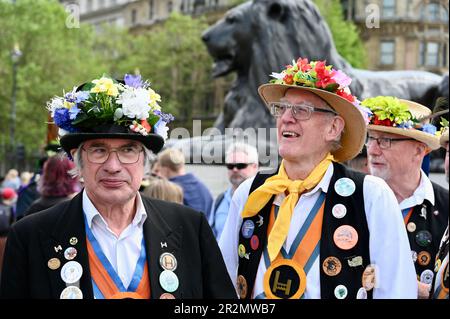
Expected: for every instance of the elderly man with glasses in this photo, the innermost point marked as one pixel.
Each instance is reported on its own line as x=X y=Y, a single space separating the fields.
x=109 y=242
x=242 y=162
x=399 y=137
x=316 y=229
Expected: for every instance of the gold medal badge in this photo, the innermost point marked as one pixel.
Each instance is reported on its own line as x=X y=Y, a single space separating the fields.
x=284 y=279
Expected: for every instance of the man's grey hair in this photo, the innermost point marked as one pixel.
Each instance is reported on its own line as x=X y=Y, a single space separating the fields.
x=149 y=158
x=245 y=148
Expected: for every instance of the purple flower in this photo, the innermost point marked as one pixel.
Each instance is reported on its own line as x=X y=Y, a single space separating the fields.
x=70 y=97
x=134 y=81
x=81 y=96
x=341 y=78
x=62 y=120
x=73 y=112
x=166 y=117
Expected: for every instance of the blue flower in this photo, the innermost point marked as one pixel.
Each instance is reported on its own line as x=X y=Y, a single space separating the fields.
x=73 y=112
x=166 y=117
x=62 y=120
x=81 y=96
x=405 y=125
x=134 y=81
x=429 y=128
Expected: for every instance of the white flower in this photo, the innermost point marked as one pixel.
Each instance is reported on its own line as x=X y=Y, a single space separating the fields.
x=278 y=76
x=135 y=103
x=161 y=129
x=55 y=103
x=62 y=132
x=118 y=113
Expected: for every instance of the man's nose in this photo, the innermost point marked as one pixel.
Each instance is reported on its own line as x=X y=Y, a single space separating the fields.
x=112 y=162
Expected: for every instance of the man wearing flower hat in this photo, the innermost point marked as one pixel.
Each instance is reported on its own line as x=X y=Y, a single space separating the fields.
x=109 y=242
x=398 y=140
x=316 y=229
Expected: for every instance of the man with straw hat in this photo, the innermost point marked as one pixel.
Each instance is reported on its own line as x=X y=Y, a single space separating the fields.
x=398 y=139
x=316 y=229
x=109 y=242
x=441 y=281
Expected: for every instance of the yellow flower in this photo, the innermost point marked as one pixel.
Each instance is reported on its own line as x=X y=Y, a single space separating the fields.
x=105 y=85
x=68 y=105
x=154 y=99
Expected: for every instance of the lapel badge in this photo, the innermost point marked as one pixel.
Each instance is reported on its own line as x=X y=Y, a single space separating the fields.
x=423 y=212
x=163 y=244
x=331 y=266
x=168 y=261
x=242 y=286
x=168 y=281
x=57 y=248
x=340 y=292
x=70 y=253
x=73 y=241
x=71 y=292
x=345 y=187
x=260 y=222
x=361 y=294
x=355 y=261
x=436 y=212
x=345 y=237
x=71 y=272
x=54 y=263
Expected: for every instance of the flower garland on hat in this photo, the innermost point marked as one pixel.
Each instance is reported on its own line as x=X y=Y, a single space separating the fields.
x=106 y=101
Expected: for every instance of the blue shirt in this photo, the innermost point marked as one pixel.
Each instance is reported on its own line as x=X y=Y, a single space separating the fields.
x=221 y=214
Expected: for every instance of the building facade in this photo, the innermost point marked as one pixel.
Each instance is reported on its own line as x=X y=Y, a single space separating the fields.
x=403 y=34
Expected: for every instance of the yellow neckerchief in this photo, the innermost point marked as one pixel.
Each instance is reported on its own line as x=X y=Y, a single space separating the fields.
x=278 y=184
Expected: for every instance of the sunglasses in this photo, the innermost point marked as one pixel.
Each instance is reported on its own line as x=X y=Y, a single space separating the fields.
x=237 y=165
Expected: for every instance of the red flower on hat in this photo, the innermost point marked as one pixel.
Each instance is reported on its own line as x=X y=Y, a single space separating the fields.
x=288 y=79
x=346 y=95
x=146 y=125
x=385 y=122
x=324 y=76
x=303 y=65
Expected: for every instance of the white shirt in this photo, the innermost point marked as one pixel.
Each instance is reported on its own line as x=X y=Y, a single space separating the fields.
x=422 y=192
x=388 y=242
x=122 y=252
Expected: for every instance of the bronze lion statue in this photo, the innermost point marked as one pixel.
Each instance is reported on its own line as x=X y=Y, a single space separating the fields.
x=259 y=37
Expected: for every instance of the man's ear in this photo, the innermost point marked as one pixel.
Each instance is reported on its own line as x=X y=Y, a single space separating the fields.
x=336 y=127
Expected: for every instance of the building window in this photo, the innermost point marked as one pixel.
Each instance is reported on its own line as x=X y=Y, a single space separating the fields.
x=170 y=7
x=133 y=16
x=387 y=52
x=429 y=54
x=151 y=9
x=434 y=12
x=388 y=8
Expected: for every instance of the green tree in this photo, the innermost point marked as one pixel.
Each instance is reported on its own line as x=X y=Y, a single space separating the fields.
x=345 y=33
x=54 y=57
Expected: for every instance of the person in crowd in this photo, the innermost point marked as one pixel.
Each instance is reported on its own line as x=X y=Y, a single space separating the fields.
x=109 y=242
x=161 y=188
x=398 y=139
x=11 y=180
x=170 y=165
x=241 y=160
x=359 y=163
x=316 y=229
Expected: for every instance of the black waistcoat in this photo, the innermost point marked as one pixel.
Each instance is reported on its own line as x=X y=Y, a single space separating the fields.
x=350 y=275
x=430 y=224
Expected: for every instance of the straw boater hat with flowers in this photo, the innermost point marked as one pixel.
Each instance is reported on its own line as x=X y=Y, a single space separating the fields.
x=330 y=85
x=402 y=117
x=107 y=108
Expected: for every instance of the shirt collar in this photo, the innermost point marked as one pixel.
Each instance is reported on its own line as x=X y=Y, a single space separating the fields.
x=91 y=212
x=422 y=192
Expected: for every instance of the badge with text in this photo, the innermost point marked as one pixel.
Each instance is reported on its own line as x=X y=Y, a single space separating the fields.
x=247 y=228
x=168 y=281
x=344 y=187
x=71 y=292
x=331 y=266
x=345 y=237
x=339 y=211
x=284 y=279
x=71 y=272
x=168 y=261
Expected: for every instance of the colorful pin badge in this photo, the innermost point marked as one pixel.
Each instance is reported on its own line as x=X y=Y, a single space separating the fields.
x=424 y=258
x=423 y=238
x=344 y=187
x=241 y=251
x=413 y=256
x=54 y=263
x=168 y=281
x=70 y=253
x=340 y=292
x=242 y=287
x=331 y=266
x=355 y=261
x=345 y=237
x=254 y=242
x=71 y=292
x=247 y=228
x=284 y=279
x=73 y=241
x=166 y=295
x=361 y=294
x=339 y=211
x=71 y=272
x=427 y=276
x=369 y=277
x=411 y=227
x=168 y=261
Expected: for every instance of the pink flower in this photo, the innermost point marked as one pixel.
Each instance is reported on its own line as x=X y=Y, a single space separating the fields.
x=303 y=65
x=341 y=78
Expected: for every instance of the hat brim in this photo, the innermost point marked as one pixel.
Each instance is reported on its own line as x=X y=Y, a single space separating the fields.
x=430 y=140
x=153 y=142
x=354 y=133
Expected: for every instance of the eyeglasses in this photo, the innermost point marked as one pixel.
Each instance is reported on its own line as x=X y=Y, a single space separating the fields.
x=385 y=142
x=128 y=154
x=300 y=112
x=237 y=165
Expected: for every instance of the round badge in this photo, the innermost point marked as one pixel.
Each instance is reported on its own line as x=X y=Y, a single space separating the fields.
x=368 y=278
x=241 y=251
x=411 y=227
x=254 y=242
x=71 y=292
x=339 y=211
x=361 y=294
x=168 y=261
x=284 y=279
x=242 y=286
x=423 y=238
x=414 y=256
x=331 y=266
x=168 y=281
x=73 y=241
x=423 y=258
x=54 y=263
x=340 y=292
x=437 y=265
x=71 y=272
x=427 y=276
x=345 y=237
x=344 y=187
x=166 y=295
x=247 y=228
x=70 y=253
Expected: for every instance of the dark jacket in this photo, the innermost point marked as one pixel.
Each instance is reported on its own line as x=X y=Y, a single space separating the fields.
x=43 y=203
x=169 y=227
